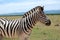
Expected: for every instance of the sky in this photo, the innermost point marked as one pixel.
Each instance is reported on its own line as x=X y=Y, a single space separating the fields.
x=13 y=6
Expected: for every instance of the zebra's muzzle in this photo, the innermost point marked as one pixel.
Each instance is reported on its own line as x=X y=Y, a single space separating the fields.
x=48 y=23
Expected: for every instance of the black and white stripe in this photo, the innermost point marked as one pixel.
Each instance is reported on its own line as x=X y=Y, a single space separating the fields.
x=12 y=28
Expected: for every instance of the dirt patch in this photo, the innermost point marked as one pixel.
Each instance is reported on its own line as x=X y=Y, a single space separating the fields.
x=57 y=25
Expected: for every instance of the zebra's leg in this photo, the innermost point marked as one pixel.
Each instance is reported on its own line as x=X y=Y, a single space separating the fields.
x=26 y=38
x=1 y=37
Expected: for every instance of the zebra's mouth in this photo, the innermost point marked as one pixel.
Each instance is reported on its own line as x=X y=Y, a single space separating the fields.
x=48 y=23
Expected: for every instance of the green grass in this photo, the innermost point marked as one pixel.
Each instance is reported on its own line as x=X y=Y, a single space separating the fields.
x=42 y=32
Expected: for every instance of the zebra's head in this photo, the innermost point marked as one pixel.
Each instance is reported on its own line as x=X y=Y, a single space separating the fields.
x=42 y=17
x=38 y=14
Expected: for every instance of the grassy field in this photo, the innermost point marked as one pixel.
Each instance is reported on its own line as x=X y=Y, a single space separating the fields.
x=42 y=32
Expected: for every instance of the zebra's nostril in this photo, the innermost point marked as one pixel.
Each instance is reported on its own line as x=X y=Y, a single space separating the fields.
x=48 y=23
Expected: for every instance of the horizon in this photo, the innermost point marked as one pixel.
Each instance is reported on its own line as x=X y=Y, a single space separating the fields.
x=22 y=13
x=13 y=6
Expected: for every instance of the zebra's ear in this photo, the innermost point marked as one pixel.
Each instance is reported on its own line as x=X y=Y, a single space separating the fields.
x=42 y=8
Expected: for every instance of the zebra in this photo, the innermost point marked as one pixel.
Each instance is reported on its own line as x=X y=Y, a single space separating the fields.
x=22 y=27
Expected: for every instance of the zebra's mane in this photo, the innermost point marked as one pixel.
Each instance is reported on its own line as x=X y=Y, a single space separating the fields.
x=31 y=11
x=28 y=13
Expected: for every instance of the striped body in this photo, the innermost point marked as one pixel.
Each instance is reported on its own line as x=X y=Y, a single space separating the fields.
x=22 y=27
x=8 y=28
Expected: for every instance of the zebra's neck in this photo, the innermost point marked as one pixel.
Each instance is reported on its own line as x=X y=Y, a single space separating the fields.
x=29 y=21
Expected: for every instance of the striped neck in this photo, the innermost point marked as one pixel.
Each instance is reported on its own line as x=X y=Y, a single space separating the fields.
x=29 y=21
x=29 y=12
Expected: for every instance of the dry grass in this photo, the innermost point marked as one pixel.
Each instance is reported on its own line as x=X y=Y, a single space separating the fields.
x=42 y=32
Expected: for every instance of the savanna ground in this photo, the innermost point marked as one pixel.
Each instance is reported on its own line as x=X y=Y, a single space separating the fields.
x=42 y=32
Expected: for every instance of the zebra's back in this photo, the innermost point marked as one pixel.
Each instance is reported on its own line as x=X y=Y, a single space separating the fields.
x=8 y=27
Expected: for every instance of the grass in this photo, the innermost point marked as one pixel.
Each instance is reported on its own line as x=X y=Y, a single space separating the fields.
x=42 y=32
